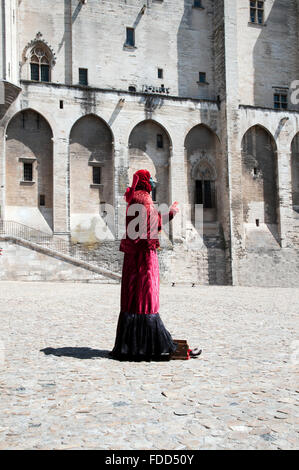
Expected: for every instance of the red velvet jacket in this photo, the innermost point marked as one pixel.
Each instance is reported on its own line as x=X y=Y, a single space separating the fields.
x=150 y=224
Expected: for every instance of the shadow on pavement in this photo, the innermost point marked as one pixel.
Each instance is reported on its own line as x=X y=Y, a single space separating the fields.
x=78 y=353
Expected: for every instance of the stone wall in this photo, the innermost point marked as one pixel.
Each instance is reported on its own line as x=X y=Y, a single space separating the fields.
x=93 y=36
x=206 y=127
x=18 y=263
x=267 y=54
x=266 y=267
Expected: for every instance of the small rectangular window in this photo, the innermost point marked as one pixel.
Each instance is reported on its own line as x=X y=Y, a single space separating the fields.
x=280 y=101
x=28 y=173
x=132 y=89
x=83 y=77
x=130 y=38
x=197 y=3
x=257 y=11
x=96 y=175
x=202 y=77
x=61 y=104
x=42 y=200
x=160 y=73
x=160 y=141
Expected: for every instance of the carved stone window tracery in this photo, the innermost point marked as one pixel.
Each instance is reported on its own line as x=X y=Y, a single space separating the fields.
x=39 y=64
x=38 y=60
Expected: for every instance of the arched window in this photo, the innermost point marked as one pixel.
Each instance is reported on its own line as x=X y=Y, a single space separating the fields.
x=205 y=187
x=40 y=64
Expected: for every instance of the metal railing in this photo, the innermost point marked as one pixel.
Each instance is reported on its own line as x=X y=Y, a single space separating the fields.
x=52 y=242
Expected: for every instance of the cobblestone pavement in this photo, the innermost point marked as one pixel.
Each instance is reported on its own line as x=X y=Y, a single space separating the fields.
x=240 y=394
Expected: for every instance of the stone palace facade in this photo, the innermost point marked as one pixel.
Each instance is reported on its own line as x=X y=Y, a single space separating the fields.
x=202 y=93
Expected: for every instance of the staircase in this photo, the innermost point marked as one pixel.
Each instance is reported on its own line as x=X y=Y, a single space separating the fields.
x=51 y=246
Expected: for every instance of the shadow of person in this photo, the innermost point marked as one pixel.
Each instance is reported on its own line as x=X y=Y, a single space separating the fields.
x=78 y=353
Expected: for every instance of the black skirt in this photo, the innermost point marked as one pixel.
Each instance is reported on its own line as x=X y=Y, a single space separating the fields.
x=142 y=337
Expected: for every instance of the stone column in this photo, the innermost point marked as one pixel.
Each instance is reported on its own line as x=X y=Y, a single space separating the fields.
x=61 y=186
x=227 y=86
x=284 y=184
x=121 y=181
x=2 y=172
x=177 y=186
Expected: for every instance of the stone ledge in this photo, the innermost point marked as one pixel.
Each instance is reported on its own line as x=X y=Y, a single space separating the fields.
x=119 y=92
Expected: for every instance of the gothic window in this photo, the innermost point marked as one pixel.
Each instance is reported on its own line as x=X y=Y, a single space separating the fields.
x=40 y=64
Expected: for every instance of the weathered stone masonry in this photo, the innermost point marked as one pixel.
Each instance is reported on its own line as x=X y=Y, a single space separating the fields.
x=208 y=130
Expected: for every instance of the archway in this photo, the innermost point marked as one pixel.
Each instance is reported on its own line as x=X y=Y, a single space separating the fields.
x=149 y=148
x=91 y=177
x=259 y=177
x=202 y=167
x=29 y=170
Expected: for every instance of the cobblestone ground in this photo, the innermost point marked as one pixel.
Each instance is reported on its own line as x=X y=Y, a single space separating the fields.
x=240 y=394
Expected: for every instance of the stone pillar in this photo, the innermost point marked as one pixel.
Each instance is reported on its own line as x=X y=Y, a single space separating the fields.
x=2 y=172
x=226 y=67
x=121 y=181
x=2 y=42
x=68 y=42
x=61 y=186
x=177 y=186
x=284 y=183
x=9 y=60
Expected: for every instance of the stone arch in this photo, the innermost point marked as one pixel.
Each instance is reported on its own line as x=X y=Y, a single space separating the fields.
x=202 y=167
x=91 y=146
x=149 y=148
x=259 y=176
x=295 y=172
x=29 y=170
x=91 y=175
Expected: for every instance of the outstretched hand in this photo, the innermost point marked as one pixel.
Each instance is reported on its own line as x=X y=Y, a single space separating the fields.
x=174 y=207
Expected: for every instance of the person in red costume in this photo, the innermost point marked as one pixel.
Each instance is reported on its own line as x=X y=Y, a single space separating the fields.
x=141 y=334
